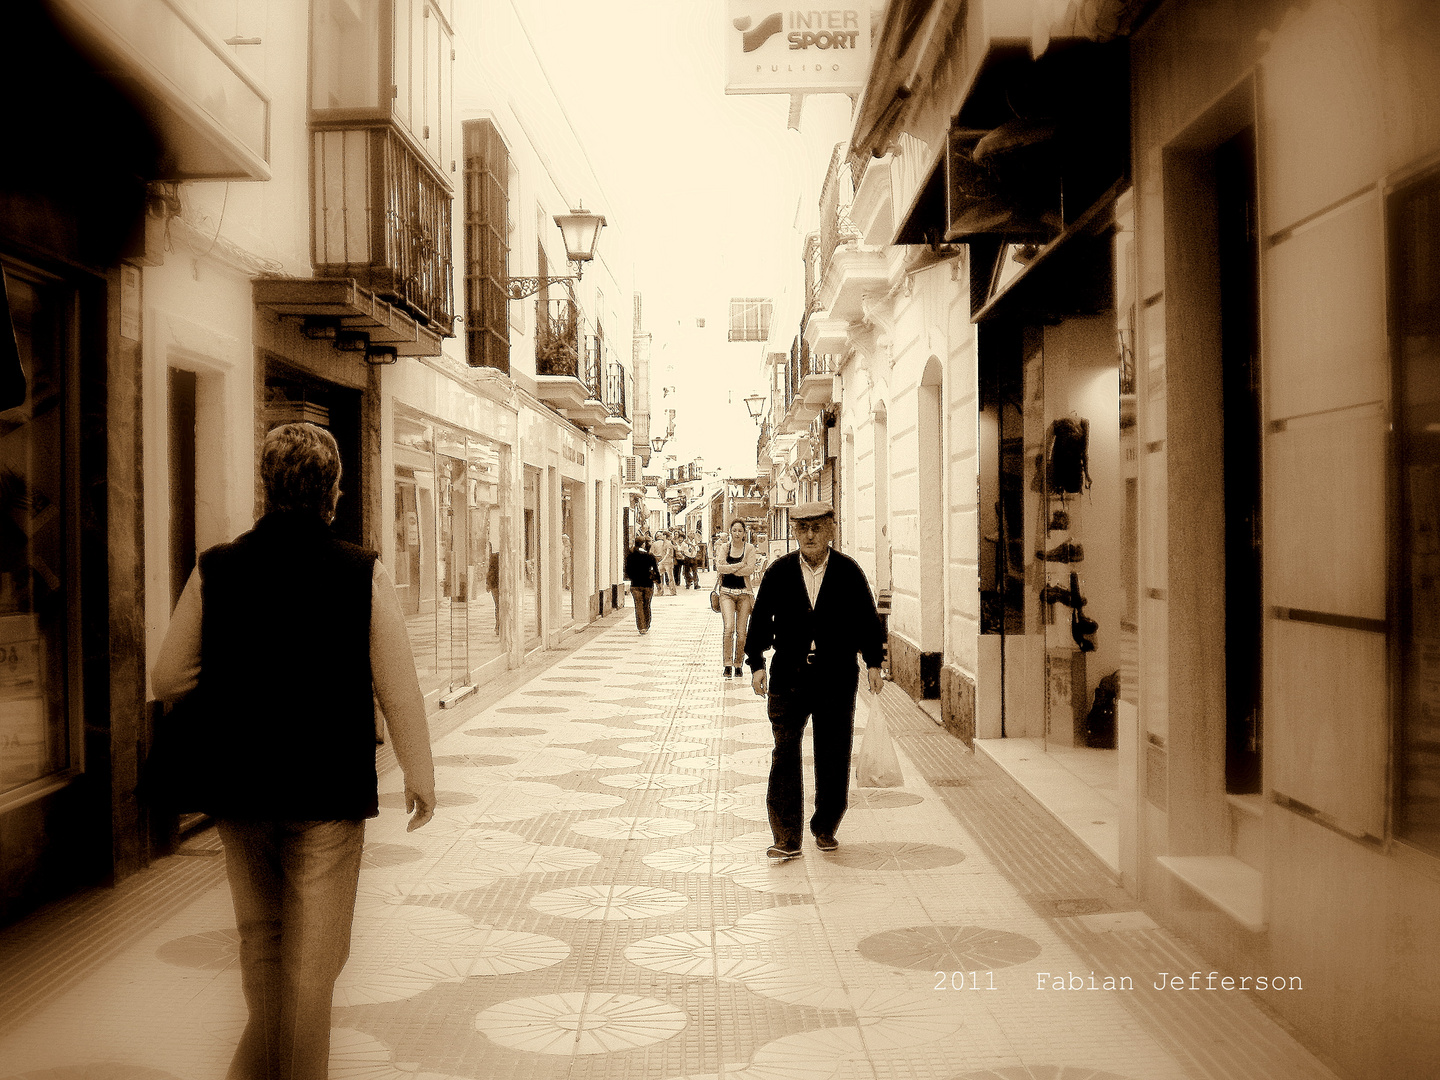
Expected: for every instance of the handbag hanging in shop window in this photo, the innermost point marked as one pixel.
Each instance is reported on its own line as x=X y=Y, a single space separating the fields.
x=1068 y=460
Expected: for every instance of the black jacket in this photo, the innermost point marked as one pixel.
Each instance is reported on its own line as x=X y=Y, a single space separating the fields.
x=641 y=569
x=843 y=623
x=285 y=676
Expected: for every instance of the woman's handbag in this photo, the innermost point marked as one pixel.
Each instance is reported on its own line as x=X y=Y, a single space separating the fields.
x=877 y=764
x=714 y=600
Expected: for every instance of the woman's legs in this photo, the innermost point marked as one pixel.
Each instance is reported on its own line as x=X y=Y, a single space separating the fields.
x=727 y=613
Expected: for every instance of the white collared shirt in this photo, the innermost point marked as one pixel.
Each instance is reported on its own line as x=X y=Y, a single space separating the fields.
x=814 y=576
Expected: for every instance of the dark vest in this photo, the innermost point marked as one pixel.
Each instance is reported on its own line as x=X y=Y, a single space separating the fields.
x=285 y=673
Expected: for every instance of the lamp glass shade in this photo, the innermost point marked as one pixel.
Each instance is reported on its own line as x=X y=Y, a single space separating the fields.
x=754 y=403
x=657 y=444
x=581 y=231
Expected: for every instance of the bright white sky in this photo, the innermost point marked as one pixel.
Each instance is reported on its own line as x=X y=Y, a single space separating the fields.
x=706 y=188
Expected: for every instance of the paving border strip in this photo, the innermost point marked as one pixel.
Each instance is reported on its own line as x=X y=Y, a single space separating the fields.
x=1220 y=1036
x=55 y=948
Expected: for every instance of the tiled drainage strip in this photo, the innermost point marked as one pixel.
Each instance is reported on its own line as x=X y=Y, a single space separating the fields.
x=1212 y=1036
x=60 y=946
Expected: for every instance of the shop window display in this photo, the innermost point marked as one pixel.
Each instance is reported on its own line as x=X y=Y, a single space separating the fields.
x=450 y=535
x=35 y=731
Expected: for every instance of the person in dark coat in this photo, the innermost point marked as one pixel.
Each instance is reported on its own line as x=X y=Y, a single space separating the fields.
x=284 y=639
x=816 y=609
x=643 y=572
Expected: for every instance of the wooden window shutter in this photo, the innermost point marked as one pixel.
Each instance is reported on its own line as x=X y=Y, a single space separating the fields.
x=487 y=252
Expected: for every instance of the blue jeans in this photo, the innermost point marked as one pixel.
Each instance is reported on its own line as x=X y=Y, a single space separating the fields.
x=642 y=606
x=293 y=884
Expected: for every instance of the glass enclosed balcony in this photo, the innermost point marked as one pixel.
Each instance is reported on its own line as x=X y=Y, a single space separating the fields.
x=382 y=216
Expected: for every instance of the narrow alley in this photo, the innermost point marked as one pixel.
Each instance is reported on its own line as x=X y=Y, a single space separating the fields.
x=593 y=899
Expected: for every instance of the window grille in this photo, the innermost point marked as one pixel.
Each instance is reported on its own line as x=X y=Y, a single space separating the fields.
x=487 y=248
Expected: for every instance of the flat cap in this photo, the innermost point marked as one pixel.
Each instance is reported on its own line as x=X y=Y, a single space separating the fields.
x=810 y=511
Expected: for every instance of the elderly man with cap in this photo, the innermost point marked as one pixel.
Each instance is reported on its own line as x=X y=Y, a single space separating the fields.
x=816 y=609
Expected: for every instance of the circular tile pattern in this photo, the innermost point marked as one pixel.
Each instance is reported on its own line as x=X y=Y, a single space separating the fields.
x=632 y=828
x=660 y=746
x=882 y=799
x=214 y=950
x=581 y=1022
x=395 y=800
x=896 y=855
x=1040 y=1072
x=376 y=855
x=650 y=782
x=533 y=710
x=504 y=732
x=948 y=948
x=489 y=952
x=609 y=902
x=476 y=761
x=98 y=1070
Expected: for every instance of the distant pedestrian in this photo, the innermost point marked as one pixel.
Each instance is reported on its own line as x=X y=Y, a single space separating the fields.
x=734 y=563
x=664 y=554
x=690 y=559
x=816 y=609
x=642 y=572
x=282 y=640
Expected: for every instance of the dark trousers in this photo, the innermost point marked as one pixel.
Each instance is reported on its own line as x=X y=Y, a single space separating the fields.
x=831 y=708
x=692 y=573
x=642 y=606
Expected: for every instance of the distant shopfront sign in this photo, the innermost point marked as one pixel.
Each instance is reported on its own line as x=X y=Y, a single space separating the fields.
x=772 y=49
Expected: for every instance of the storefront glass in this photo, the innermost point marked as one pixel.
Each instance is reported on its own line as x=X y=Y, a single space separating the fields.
x=532 y=568
x=450 y=535
x=570 y=599
x=35 y=737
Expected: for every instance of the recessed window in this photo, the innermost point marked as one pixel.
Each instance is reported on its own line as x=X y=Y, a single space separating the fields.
x=1415 y=318
x=750 y=319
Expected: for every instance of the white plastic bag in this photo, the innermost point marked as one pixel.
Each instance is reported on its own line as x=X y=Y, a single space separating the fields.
x=877 y=764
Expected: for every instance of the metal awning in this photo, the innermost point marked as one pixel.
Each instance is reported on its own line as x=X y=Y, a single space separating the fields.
x=1034 y=144
x=349 y=307
x=212 y=117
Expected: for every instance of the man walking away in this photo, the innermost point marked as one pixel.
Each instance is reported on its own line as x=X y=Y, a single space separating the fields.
x=284 y=638
x=642 y=572
x=815 y=607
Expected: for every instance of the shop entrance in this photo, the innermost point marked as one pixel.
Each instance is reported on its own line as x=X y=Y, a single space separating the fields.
x=1056 y=537
x=292 y=396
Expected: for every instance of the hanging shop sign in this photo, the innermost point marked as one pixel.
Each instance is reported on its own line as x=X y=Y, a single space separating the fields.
x=770 y=49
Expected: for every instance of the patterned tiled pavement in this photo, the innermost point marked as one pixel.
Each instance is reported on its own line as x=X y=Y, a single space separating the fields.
x=593 y=901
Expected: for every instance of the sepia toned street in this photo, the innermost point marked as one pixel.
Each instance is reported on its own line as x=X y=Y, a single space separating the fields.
x=593 y=900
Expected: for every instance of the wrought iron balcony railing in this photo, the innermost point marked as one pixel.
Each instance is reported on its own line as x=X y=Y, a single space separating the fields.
x=592 y=375
x=615 y=391
x=557 y=339
x=381 y=215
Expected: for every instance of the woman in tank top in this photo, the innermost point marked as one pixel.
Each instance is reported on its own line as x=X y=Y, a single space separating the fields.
x=734 y=564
